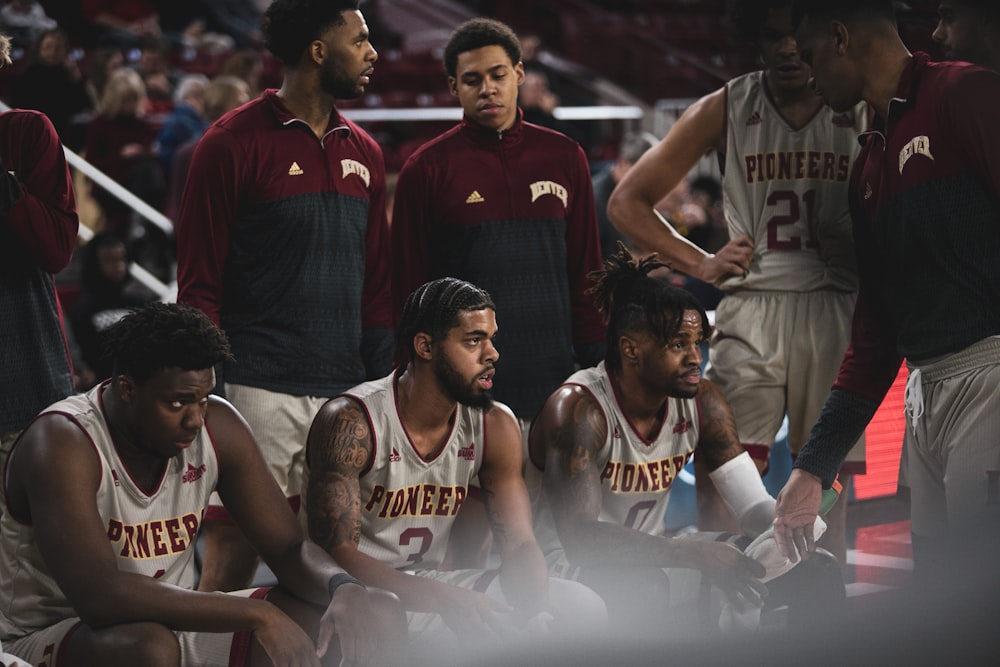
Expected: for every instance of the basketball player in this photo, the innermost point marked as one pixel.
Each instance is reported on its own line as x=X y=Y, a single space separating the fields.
x=925 y=194
x=106 y=494
x=607 y=446
x=788 y=270
x=969 y=30
x=390 y=464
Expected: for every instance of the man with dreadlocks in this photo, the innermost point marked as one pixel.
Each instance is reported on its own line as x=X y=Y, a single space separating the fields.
x=106 y=493
x=390 y=463
x=604 y=452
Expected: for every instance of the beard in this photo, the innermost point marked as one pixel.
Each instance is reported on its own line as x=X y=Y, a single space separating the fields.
x=336 y=83
x=458 y=388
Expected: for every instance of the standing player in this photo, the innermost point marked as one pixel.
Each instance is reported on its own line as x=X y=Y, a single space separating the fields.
x=283 y=241
x=38 y=228
x=925 y=197
x=969 y=30
x=105 y=495
x=788 y=271
x=610 y=442
x=390 y=464
x=508 y=206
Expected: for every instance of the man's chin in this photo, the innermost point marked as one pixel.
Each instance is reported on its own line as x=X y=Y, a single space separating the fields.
x=482 y=400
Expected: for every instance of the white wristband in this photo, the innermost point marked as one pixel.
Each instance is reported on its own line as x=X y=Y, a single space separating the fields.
x=742 y=489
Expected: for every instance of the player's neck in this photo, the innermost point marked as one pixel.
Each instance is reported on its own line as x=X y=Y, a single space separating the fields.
x=142 y=466
x=797 y=104
x=424 y=409
x=302 y=95
x=644 y=409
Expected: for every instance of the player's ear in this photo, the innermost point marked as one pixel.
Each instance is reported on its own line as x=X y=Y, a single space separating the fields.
x=628 y=350
x=519 y=72
x=422 y=345
x=125 y=386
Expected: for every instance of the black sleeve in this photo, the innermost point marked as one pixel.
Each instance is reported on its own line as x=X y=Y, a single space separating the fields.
x=840 y=424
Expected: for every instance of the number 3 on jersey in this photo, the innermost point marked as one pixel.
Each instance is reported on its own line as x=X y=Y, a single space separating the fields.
x=788 y=215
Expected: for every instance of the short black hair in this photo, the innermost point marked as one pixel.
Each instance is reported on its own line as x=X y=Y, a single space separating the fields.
x=477 y=33
x=164 y=335
x=632 y=301
x=433 y=309
x=291 y=25
x=746 y=18
x=843 y=9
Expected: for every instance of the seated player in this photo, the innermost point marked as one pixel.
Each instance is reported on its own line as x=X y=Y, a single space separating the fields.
x=390 y=464
x=106 y=492
x=606 y=448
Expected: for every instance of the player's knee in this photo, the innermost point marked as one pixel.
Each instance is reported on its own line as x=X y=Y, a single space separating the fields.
x=147 y=644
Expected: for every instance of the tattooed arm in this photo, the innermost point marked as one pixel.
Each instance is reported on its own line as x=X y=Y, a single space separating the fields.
x=339 y=448
x=719 y=441
x=523 y=573
x=572 y=428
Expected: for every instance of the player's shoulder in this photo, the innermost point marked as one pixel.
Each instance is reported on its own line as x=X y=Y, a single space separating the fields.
x=361 y=138
x=25 y=118
x=434 y=150
x=539 y=138
x=500 y=414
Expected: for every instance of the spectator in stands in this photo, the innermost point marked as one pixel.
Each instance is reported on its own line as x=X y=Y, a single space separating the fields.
x=223 y=94
x=24 y=21
x=790 y=260
x=38 y=227
x=104 y=61
x=120 y=143
x=508 y=206
x=52 y=83
x=969 y=30
x=107 y=293
x=158 y=75
x=122 y=23
x=186 y=121
x=237 y=18
x=282 y=239
x=631 y=149
x=245 y=64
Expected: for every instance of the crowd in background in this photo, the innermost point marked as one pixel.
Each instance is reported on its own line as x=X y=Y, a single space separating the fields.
x=132 y=90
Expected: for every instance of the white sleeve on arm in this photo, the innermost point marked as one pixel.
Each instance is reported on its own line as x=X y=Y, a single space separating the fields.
x=742 y=489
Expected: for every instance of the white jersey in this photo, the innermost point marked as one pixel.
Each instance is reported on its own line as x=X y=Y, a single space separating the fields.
x=636 y=473
x=151 y=533
x=786 y=188
x=408 y=504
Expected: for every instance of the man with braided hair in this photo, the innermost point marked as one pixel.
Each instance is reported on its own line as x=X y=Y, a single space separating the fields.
x=389 y=465
x=106 y=493
x=605 y=450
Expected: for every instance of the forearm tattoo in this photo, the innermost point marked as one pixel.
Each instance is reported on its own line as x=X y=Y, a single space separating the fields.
x=333 y=495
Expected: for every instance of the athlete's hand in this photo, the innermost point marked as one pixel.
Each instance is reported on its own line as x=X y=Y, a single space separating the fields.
x=725 y=566
x=472 y=614
x=733 y=259
x=350 y=616
x=795 y=514
x=284 y=642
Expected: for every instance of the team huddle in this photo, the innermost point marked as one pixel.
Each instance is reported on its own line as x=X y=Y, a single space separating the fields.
x=463 y=429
